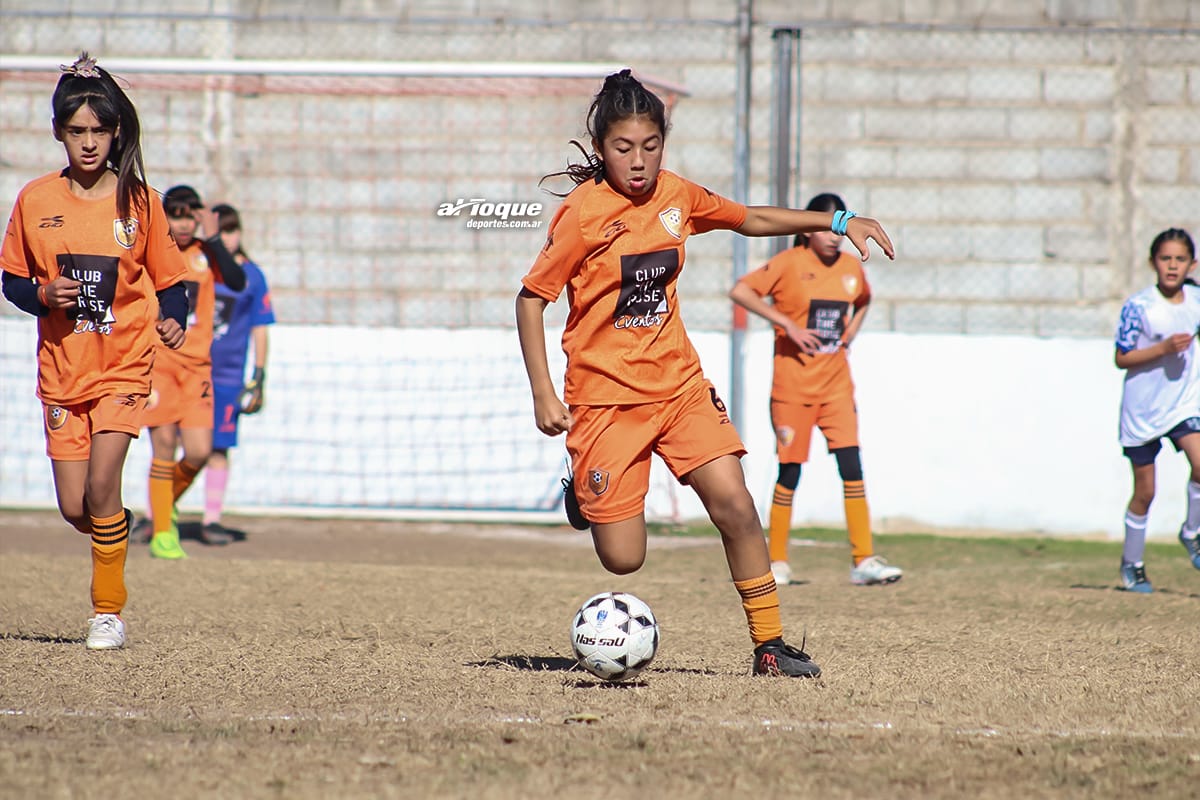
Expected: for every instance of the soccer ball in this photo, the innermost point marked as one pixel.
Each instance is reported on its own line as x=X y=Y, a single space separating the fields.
x=614 y=636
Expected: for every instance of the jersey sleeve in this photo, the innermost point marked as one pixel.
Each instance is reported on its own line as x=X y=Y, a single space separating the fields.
x=763 y=280
x=1130 y=328
x=164 y=262
x=561 y=256
x=15 y=256
x=711 y=211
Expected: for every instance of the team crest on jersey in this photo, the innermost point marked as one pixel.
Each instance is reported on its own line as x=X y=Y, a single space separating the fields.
x=850 y=282
x=56 y=417
x=785 y=435
x=125 y=231
x=672 y=220
x=597 y=481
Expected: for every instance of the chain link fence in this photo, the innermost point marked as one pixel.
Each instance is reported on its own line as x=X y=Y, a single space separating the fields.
x=1022 y=172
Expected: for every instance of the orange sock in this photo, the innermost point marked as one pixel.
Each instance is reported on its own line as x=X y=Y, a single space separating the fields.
x=162 y=498
x=781 y=522
x=182 y=477
x=858 y=520
x=760 y=600
x=110 y=541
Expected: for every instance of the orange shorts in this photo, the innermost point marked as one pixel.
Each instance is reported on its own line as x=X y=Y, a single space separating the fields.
x=179 y=394
x=794 y=423
x=610 y=447
x=69 y=429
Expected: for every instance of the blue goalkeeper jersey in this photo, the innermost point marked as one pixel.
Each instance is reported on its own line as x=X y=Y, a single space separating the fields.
x=234 y=315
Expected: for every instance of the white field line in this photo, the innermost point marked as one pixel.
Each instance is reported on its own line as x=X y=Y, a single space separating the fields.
x=782 y=725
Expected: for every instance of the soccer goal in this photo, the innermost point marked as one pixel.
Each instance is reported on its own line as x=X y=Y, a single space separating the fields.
x=393 y=207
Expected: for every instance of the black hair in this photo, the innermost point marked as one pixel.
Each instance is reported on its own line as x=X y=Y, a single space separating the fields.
x=1173 y=235
x=85 y=83
x=826 y=201
x=622 y=97
x=228 y=220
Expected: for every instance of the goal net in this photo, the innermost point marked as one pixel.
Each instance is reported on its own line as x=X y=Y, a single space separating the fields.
x=393 y=208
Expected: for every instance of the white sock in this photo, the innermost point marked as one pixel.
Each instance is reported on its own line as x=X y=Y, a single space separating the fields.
x=1135 y=537
x=1192 y=523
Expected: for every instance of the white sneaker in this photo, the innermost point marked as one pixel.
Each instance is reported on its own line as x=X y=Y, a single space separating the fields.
x=105 y=632
x=782 y=573
x=873 y=570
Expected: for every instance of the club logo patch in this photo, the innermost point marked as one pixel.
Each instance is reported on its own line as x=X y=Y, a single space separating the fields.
x=125 y=231
x=850 y=282
x=785 y=435
x=672 y=220
x=56 y=417
x=597 y=481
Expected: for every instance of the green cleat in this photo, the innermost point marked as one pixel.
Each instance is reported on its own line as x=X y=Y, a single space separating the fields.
x=165 y=544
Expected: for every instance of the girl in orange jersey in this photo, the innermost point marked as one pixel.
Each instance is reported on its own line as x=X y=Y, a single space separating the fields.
x=85 y=252
x=181 y=407
x=633 y=383
x=819 y=298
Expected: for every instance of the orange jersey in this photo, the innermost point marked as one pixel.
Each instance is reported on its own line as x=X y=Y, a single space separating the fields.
x=199 y=277
x=105 y=345
x=819 y=297
x=619 y=258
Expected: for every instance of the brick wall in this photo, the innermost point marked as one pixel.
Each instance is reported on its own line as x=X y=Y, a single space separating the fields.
x=1023 y=157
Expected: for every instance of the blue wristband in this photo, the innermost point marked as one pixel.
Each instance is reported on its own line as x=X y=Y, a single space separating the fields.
x=840 y=219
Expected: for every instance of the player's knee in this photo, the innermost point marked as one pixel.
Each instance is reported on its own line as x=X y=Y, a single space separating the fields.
x=622 y=563
x=198 y=457
x=101 y=488
x=789 y=476
x=849 y=463
x=736 y=516
x=75 y=516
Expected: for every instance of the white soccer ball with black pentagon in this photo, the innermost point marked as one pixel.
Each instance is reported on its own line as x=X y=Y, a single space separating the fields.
x=614 y=635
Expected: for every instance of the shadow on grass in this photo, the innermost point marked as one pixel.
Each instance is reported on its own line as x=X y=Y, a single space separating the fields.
x=41 y=638
x=1109 y=588
x=560 y=664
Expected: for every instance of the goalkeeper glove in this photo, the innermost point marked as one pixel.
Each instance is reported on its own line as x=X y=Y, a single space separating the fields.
x=250 y=401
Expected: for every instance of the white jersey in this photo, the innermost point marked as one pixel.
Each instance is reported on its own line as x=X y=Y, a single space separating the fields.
x=1163 y=393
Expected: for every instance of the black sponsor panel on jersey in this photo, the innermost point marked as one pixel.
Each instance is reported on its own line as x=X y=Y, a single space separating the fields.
x=644 y=279
x=828 y=319
x=222 y=314
x=97 y=276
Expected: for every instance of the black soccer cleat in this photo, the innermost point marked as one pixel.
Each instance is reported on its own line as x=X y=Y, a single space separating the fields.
x=571 y=505
x=141 y=532
x=214 y=533
x=777 y=658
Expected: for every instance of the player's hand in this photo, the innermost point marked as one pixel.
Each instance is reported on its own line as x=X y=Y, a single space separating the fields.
x=552 y=417
x=860 y=229
x=250 y=401
x=61 y=293
x=171 y=334
x=805 y=338
x=206 y=221
x=1177 y=343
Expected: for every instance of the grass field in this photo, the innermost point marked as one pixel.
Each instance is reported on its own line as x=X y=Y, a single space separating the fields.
x=331 y=658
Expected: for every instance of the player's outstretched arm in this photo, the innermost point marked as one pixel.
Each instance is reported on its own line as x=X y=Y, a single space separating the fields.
x=777 y=221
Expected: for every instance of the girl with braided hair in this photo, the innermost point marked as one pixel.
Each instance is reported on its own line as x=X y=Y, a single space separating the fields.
x=634 y=384
x=86 y=252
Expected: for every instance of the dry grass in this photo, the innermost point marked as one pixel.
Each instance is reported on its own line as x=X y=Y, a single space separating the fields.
x=367 y=659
